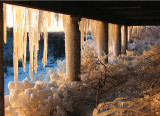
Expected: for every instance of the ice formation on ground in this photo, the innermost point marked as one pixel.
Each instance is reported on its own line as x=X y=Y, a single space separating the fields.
x=47 y=95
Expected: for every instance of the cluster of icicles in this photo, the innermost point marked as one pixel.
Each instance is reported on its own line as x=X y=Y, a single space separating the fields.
x=35 y=23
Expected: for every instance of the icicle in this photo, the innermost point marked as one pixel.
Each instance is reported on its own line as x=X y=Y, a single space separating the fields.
x=86 y=28
x=64 y=21
x=34 y=37
x=40 y=21
x=4 y=23
x=82 y=33
x=93 y=29
x=18 y=40
x=45 y=24
x=36 y=41
x=49 y=18
x=31 y=42
x=15 y=58
x=35 y=22
x=57 y=17
x=89 y=25
x=25 y=40
x=53 y=17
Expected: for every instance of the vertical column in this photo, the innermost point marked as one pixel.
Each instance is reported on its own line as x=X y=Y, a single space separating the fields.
x=102 y=40
x=72 y=48
x=1 y=62
x=129 y=33
x=124 y=39
x=116 y=40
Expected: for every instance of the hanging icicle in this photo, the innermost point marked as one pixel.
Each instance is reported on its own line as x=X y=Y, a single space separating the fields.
x=34 y=22
x=34 y=37
x=18 y=40
x=40 y=21
x=82 y=33
x=53 y=17
x=31 y=44
x=36 y=40
x=45 y=36
x=49 y=14
x=86 y=28
x=5 y=23
x=25 y=39
x=64 y=19
x=15 y=58
x=57 y=15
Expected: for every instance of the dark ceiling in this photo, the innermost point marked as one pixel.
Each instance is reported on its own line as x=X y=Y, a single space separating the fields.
x=119 y=12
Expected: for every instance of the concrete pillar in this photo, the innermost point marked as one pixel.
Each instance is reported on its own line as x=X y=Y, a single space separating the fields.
x=116 y=40
x=1 y=63
x=72 y=48
x=124 y=39
x=129 y=33
x=102 y=40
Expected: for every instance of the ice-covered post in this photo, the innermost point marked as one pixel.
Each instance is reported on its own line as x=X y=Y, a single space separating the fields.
x=72 y=48
x=124 y=39
x=1 y=62
x=116 y=40
x=102 y=42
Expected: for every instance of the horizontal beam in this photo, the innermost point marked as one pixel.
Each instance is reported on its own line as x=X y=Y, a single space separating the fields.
x=73 y=8
x=144 y=22
x=116 y=12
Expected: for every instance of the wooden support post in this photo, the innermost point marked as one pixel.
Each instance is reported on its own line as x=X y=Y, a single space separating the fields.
x=117 y=40
x=124 y=39
x=1 y=62
x=72 y=48
x=102 y=40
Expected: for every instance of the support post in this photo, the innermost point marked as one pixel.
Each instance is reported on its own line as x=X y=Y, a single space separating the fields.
x=124 y=39
x=116 y=40
x=129 y=33
x=102 y=42
x=72 y=48
x=1 y=62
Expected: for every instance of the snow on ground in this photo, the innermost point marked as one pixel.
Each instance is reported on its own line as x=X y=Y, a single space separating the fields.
x=22 y=75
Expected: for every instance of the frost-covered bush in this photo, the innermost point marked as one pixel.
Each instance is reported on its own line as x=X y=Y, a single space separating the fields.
x=62 y=65
x=37 y=99
x=47 y=95
x=142 y=32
